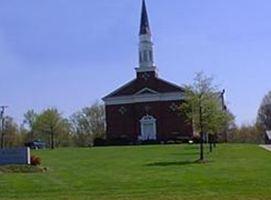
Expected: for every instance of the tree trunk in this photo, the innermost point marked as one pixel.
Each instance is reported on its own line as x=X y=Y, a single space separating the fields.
x=225 y=136
x=215 y=140
x=31 y=135
x=52 y=139
x=201 y=147
x=210 y=147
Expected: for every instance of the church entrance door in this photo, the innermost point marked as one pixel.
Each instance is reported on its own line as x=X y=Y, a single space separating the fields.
x=148 y=128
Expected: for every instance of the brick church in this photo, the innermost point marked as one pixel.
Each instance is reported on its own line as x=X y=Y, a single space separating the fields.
x=147 y=107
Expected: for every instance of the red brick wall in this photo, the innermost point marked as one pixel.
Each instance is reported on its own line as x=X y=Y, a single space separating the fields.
x=170 y=124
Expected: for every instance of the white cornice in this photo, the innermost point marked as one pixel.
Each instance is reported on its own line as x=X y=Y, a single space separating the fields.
x=119 y=89
x=141 y=98
x=146 y=69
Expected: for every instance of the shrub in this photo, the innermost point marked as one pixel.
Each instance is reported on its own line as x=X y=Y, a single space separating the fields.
x=99 y=142
x=22 y=169
x=35 y=160
x=146 y=142
x=119 y=141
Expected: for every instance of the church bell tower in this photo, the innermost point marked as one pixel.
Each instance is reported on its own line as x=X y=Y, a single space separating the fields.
x=146 y=57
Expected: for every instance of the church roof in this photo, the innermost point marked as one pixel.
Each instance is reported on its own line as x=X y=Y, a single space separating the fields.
x=136 y=86
x=144 y=24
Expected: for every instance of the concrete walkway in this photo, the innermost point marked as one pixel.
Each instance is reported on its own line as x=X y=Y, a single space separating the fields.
x=266 y=147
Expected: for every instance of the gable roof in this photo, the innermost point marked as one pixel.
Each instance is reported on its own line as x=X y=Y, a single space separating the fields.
x=136 y=86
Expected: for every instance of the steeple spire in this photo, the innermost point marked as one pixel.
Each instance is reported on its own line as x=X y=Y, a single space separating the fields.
x=146 y=63
x=144 y=24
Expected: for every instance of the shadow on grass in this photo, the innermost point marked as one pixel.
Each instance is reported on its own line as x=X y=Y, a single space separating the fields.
x=186 y=153
x=174 y=163
x=177 y=163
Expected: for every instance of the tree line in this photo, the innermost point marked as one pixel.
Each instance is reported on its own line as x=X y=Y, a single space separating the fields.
x=204 y=108
x=50 y=126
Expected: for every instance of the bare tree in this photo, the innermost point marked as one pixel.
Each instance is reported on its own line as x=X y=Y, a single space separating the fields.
x=12 y=135
x=264 y=112
x=2 y=118
x=30 y=118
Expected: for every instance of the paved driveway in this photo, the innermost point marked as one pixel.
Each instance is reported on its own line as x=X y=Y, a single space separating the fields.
x=267 y=147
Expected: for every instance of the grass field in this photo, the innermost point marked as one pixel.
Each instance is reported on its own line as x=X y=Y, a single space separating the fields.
x=240 y=172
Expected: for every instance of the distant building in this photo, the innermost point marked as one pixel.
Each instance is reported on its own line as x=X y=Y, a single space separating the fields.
x=146 y=108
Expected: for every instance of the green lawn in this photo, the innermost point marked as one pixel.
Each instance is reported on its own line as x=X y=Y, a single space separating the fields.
x=241 y=172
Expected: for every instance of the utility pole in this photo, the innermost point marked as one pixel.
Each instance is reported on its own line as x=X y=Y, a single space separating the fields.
x=2 y=118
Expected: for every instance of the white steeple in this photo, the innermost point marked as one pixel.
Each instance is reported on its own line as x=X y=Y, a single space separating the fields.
x=146 y=60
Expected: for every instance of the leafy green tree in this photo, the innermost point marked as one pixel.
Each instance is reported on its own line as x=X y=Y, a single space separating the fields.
x=203 y=108
x=52 y=125
x=88 y=124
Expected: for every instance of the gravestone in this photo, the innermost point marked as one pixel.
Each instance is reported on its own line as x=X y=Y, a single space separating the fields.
x=17 y=156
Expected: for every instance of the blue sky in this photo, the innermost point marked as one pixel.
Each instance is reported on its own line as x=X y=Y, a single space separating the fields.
x=68 y=54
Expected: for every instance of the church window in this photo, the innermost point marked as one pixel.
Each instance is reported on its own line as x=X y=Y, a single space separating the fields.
x=145 y=76
x=174 y=107
x=122 y=110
